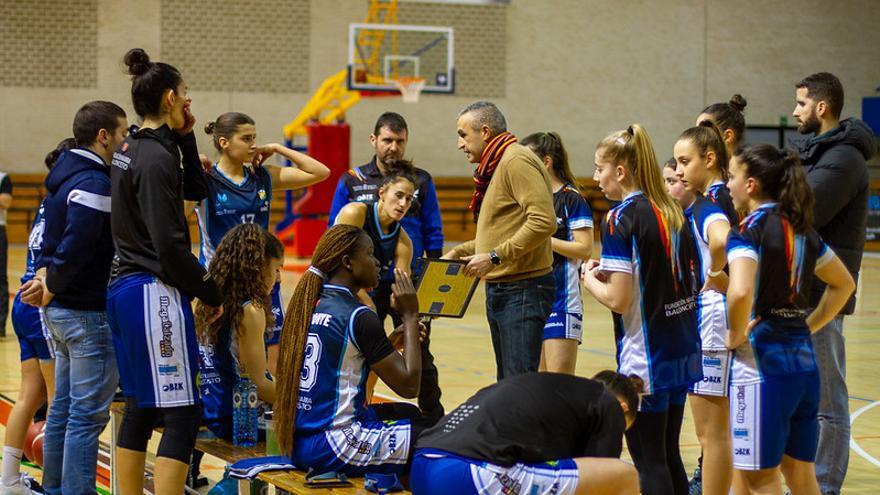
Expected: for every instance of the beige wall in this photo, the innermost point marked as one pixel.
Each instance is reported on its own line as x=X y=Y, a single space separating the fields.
x=583 y=68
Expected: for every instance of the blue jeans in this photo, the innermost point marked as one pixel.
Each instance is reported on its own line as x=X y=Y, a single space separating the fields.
x=517 y=312
x=832 y=455
x=85 y=380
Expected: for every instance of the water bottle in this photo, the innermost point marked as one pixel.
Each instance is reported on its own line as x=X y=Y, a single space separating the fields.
x=244 y=412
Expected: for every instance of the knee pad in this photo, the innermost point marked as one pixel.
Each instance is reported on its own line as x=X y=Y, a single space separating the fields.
x=137 y=426
x=181 y=428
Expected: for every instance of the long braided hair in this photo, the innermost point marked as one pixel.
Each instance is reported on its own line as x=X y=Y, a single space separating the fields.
x=336 y=242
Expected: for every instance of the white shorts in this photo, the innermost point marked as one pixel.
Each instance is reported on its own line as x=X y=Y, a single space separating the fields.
x=716 y=374
x=712 y=320
x=540 y=480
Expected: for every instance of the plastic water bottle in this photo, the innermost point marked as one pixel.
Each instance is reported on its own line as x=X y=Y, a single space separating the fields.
x=244 y=412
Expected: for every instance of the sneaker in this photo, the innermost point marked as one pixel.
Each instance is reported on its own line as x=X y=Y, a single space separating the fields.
x=695 y=486
x=25 y=486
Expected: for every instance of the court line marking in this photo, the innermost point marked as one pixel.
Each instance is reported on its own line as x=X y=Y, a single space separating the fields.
x=852 y=442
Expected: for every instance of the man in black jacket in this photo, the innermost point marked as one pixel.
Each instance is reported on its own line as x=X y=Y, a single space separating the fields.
x=835 y=164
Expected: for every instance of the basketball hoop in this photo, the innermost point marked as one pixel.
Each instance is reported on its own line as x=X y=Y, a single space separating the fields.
x=410 y=88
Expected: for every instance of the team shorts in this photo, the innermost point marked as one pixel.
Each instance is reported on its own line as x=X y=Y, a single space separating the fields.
x=33 y=337
x=273 y=333
x=564 y=326
x=435 y=472
x=712 y=320
x=716 y=374
x=357 y=449
x=775 y=417
x=660 y=401
x=155 y=340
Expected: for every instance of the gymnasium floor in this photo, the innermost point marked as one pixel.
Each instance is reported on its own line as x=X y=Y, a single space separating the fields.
x=463 y=353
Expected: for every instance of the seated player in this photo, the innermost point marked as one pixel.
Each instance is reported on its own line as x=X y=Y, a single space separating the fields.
x=331 y=343
x=381 y=221
x=522 y=435
x=246 y=267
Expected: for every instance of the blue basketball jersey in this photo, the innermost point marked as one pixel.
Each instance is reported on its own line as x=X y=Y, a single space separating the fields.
x=718 y=193
x=702 y=213
x=35 y=245
x=657 y=337
x=332 y=390
x=572 y=213
x=384 y=245
x=220 y=371
x=780 y=343
x=229 y=204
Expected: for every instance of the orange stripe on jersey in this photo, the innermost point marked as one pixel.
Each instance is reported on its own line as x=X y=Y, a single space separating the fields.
x=790 y=257
x=666 y=239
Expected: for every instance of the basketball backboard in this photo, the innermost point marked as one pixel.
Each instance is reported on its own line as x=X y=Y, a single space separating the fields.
x=380 y=53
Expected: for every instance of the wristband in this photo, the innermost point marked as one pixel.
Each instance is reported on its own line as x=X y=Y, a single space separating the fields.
x=712 y=274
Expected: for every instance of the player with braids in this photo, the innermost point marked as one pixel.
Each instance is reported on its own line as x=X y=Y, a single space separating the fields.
x=246 y=267
x=652 y=297
x=330 y=343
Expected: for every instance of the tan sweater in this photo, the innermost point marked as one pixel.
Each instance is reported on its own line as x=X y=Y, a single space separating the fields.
x=517 y=218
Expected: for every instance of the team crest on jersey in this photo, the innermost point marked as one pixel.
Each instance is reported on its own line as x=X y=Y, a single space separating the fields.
x=262 y=194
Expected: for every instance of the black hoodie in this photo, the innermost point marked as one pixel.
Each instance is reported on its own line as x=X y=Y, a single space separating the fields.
x=837 y=171
x=149 y=184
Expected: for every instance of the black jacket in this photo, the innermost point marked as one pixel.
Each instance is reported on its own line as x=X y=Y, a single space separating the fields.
x=836 y=169
x=77 y=243
x=149 y=184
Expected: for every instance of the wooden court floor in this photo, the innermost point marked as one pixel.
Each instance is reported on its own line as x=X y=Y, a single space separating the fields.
x=463 y=354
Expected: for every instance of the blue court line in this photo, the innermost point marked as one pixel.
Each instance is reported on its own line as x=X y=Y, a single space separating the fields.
x=851 y=397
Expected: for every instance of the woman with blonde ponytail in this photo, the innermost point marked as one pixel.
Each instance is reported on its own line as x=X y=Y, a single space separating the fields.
x=645 y=277
x=330 y=342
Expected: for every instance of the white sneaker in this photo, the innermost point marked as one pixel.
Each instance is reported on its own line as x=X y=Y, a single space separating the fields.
x=26 y=485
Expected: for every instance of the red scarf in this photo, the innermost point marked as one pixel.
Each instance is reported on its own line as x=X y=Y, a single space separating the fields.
x=488 y=162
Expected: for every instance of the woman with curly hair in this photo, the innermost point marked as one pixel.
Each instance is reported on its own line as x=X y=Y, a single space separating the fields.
x=246 y=267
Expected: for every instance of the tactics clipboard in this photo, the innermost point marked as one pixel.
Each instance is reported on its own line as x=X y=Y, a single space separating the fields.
x=443 y=288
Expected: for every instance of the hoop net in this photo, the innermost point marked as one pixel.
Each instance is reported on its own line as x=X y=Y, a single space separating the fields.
x=410 y=88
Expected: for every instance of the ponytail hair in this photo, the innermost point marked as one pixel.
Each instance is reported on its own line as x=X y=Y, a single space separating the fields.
x=226 y=126
x=337 y=241
x=625 y=388
x=783 y=180
x=730 y=115
x=53 y=155
x=550 y=144
x=633 y=149
x=149 y=81
x=706 y=137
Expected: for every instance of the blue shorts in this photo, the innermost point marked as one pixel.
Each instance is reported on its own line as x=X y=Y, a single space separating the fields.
x=660 y=401
x=33 y=337
x=775 y=417
x=564 y=326
x=464 y=476
x=357 y=449
x=273 y=333
x=155 y=340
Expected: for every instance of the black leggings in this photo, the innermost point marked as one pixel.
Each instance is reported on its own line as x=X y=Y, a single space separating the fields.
x=181 y=427
x=653 y=445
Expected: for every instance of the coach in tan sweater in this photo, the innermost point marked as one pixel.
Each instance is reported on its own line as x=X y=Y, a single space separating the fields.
x=513 y=205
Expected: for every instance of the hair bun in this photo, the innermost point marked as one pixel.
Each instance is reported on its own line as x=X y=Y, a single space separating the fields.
x=738 y=102
x=209 y=127
x=138 y=61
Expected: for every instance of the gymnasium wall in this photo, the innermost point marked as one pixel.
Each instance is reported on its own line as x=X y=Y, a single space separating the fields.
x=581 y=68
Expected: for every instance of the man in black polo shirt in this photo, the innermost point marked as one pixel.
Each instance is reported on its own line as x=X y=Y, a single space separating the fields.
x=422 y=223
